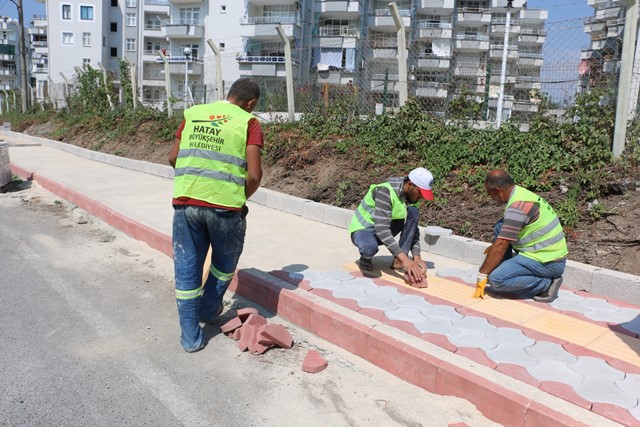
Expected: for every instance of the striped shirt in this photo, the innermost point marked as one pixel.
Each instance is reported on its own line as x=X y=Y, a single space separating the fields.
x=517 y=215
x=382 y=217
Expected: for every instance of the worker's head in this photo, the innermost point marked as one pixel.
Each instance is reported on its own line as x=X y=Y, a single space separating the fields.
x=418 y=185
x=244 y=93
x=499 y=184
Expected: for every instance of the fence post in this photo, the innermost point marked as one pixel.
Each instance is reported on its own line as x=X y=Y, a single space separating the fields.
x=52 y=98
x=104 y=78
x=66 y=89
x=167 y=83
x=503 y=67
x=132 y=76
x=402 y=55
x=624 y=84
x=289 y=71
x=216 y=52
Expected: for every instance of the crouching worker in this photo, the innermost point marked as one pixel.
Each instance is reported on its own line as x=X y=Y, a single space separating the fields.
x=387 y=209
x=217 y=164
x=532 y=230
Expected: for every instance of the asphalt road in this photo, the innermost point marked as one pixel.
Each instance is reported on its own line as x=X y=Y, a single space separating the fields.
x=89 y=336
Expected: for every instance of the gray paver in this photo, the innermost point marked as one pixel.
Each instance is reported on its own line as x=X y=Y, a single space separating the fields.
x=437 y=325
x=630 y=385
x=337 y=275
x=376 y=302
x=413 y=301
x=621 y=316
x=474 y=323
x=305 y=275
x=407 y=314
x=570 y=305
x=363 y=284
x=328 y=284
x=633 y=326
x=590 y=367
x=473 y=339
x=569 y=296
x=511 y=353
x=635 y=412
x=468 y=276
x=605 y=391
x=599 y=304
x=554 y=370
x=350 y=293
x=383 y=292
x=510 y=336
x=442 y=311
x=545 y=350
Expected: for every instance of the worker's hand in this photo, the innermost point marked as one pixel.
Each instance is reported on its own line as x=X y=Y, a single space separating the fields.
x=486 y=250
x=481 y=283
x=416 y=273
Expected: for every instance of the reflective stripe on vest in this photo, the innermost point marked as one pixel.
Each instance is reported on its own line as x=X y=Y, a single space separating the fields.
x=542 y=240
x=193 y=293
x=212 y=162
x=219 y=274
x=363 y=216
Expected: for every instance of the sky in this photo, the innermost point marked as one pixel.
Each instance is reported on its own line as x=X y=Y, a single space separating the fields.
x=30 y=8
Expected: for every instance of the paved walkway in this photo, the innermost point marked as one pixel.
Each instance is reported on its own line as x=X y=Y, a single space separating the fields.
x=573 y=362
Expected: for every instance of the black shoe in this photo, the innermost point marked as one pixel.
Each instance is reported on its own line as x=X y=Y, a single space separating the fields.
x=551 y=293
x=366 y=264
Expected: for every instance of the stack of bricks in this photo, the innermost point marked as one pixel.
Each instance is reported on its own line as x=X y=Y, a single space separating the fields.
x=5 y=168
x=254 y=334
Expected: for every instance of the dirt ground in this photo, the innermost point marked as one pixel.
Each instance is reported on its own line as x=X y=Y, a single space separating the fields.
x=333 y=177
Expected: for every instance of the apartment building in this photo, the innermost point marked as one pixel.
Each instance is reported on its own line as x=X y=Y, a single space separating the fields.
x=9 y=56
x=39 y=57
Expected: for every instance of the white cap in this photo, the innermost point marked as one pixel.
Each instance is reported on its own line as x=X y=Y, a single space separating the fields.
x=423 y=179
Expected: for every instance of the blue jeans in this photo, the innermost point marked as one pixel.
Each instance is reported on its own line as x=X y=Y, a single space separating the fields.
x=367 y=242
x=521 y=276
x=194 y=229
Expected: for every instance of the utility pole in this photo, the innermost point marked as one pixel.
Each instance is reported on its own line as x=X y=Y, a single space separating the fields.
x=22 y=50
x=503 y=70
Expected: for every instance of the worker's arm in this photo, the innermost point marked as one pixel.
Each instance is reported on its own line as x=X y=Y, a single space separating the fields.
x=173 y=155
x=495 y=254
x=254 y=170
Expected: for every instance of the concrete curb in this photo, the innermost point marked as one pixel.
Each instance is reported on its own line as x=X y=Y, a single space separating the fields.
x=578 y=276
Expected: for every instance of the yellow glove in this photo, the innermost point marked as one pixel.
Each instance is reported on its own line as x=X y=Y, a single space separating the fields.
x=481 y=282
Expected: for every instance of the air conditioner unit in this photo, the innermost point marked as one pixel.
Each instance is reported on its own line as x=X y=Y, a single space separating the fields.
x=323 y=67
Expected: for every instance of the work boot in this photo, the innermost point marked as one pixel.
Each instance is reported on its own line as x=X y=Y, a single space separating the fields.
x=366 y=264
x=551 y=293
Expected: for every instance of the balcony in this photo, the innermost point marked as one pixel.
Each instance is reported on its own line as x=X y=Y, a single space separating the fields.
x=595 y=27
x=339 y=31
x=432 y=89
x=39 y=31
x=195 y=67
x=469 y=69
x=496 y=51
x=525 y=106
x=379 y=81
x=435 y=7
x=471 y=43
x=474 y=16
x=39 y=21
x=381 y=20
x=434 y=30
x=498 y=27
x=262 y=66
x=40 y=70
x=507 y=103
x=265 y=26
x=159 y=5
x=7 y=71
x=496 y=76
x=339 y=6
x=7 y=57
x=432 y=62
x=178 y=31
x=533 y=16
x=528 y=82
x=530 y=60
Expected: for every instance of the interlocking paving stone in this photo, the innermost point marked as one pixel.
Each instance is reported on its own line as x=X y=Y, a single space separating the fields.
x=376 y=302
x=360 y=283
x=474 y=323
x=437 y=325
x=473 y=339
x=387 y=292
x=337 y=275
x=633 y=326
x=328 y=284
x=569 y=296
x=621 y=316
x=590 y=367
x=605 y=391
x=305 y=275
x=414 y=301
x=442 y=311
x=407 y=314
x=570 y=305
x=511 y=353
x=630 y=385
x=510 y=336
x=599 y=304
x=544 y=350
x=635 y=412
x=468 y=276
x=351 y=293
x=554 y=370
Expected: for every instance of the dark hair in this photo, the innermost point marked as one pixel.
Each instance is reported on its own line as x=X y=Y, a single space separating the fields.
x=498 y=179
x=244 y=90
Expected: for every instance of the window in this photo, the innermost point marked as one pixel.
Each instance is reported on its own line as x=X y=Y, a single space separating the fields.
x=114 y=52
x=130 y=45
x=223 y=8
x=193 y=46
x=132 y=3
x=104 y=41
x=152 y=47
x=67 y=38
x=131 y=19
x=66 y=11
x=86 y=62
x=114 y=3
x=86 y=39
x=221 y=46
x=114 y=27
x=190 y=15
x=86 y=13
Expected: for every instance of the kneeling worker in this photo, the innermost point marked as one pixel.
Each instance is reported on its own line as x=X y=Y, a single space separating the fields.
x=387 y=209
x=532 y=229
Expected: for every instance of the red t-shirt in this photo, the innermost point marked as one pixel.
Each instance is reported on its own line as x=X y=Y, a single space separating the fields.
x=254 y=137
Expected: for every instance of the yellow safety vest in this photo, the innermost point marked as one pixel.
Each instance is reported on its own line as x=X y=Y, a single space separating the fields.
x=363 y=216
x=542 y=240
x=212 y=161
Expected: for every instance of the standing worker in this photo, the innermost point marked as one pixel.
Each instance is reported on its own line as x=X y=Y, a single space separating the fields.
x=387 y=209
x=217 y=164
x=531 y=227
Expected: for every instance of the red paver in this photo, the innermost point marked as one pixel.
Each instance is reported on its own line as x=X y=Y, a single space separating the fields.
x=255 y=346
x=244 y=313
x=283 y=275
x=404 y=326
x=374 y=313
x=231 y=325
x=540 y=415
x=236 y=334
x=566 y=392
x=518 y=372
x=314 y=362
x=477 y=355
x=440 y=341
x=615 y=413
x=275 y=334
